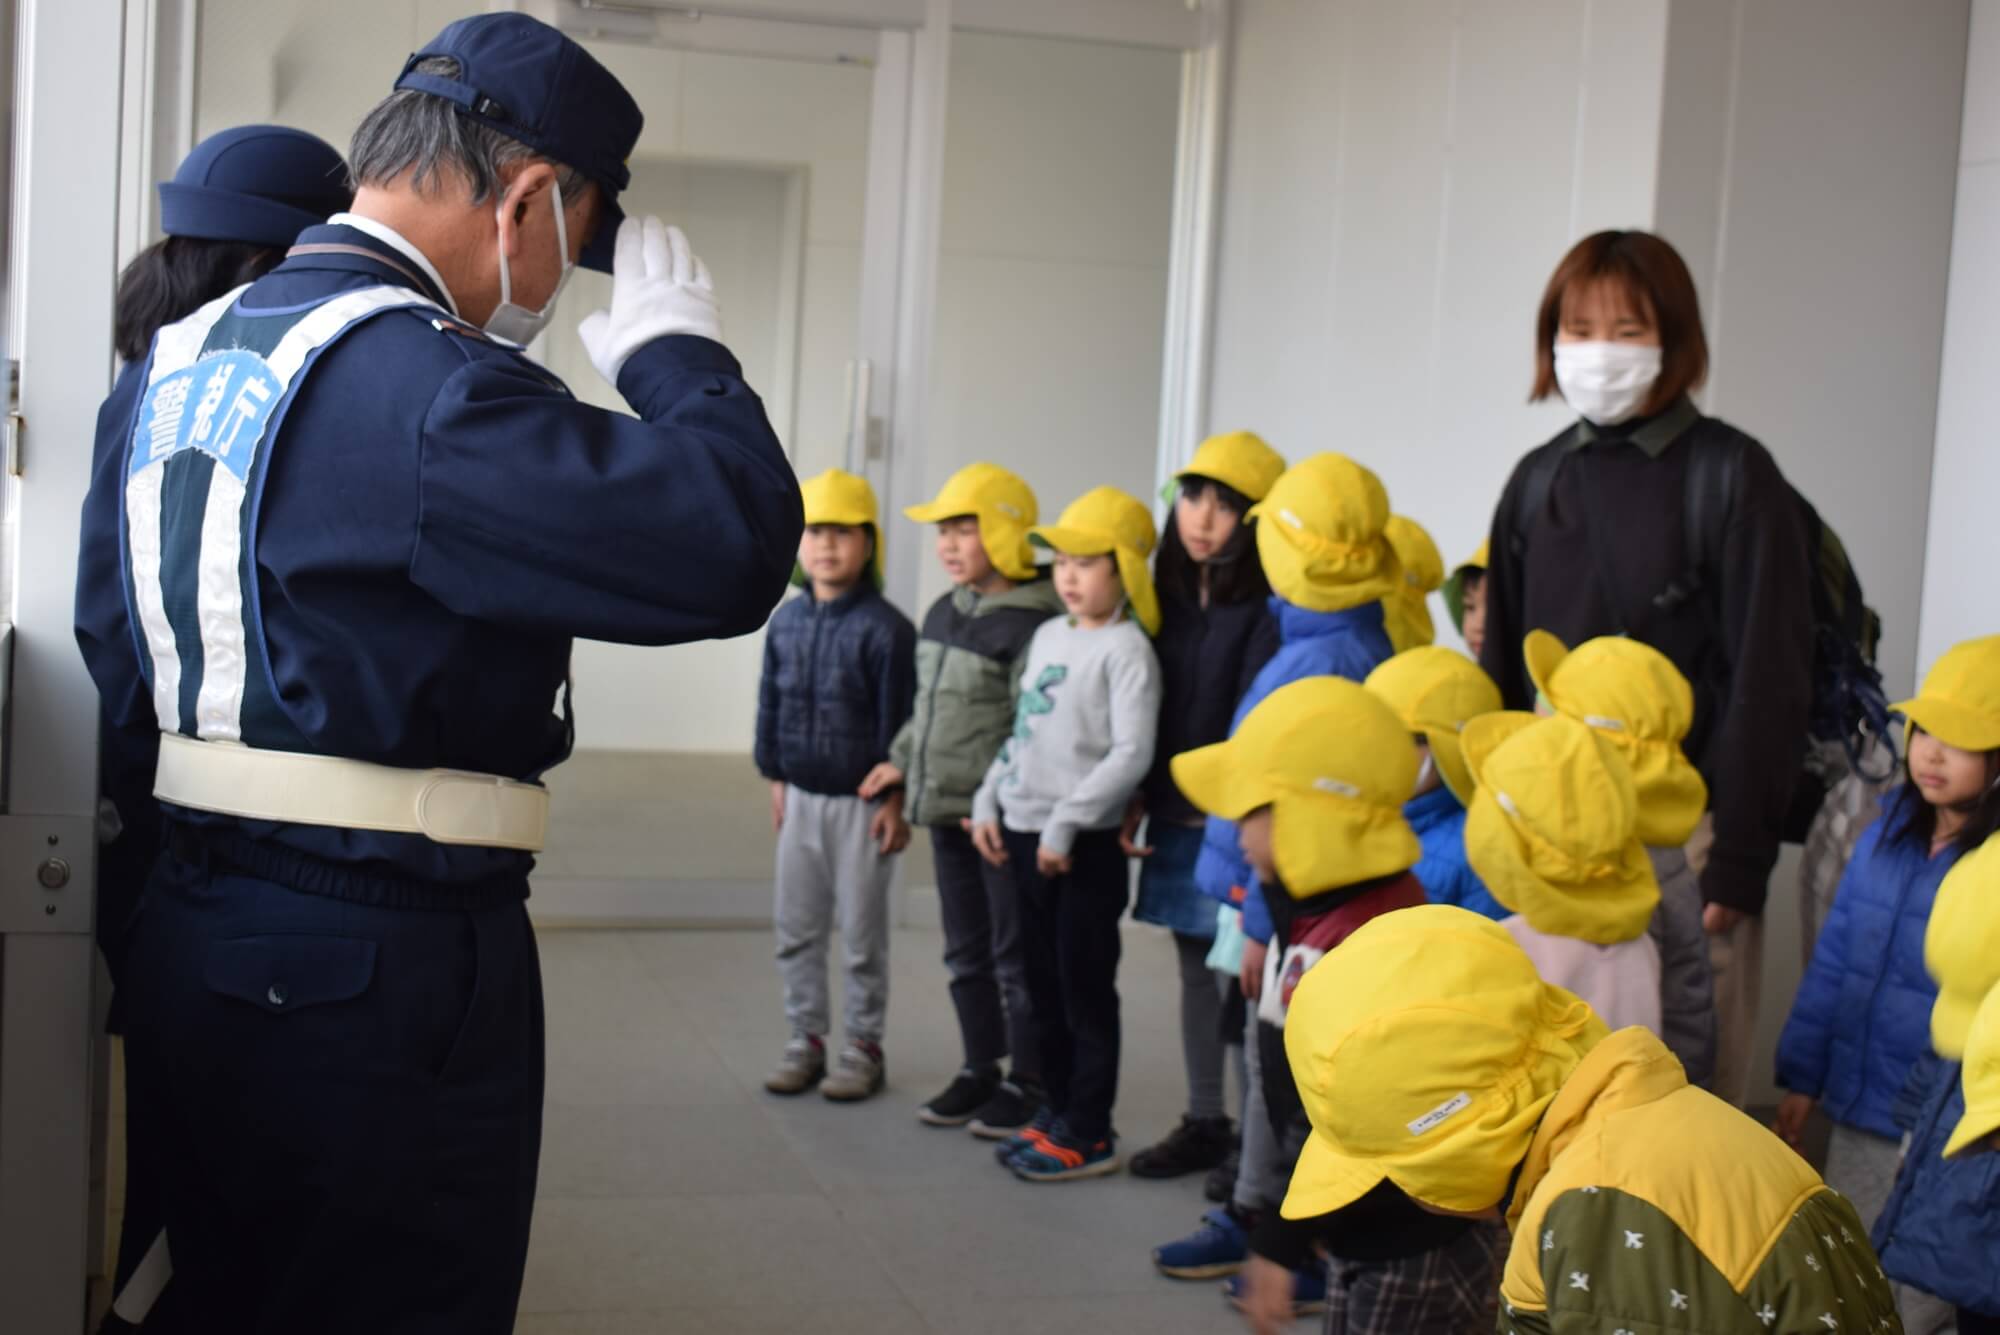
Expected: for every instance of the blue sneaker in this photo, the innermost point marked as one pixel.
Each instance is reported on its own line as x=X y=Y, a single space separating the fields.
x=1038 y=1129
x=1308 y=1291
x=1218 y=1248
x=1061 y=1157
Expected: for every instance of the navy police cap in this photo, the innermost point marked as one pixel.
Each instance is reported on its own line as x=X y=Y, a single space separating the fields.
x=262 y=184
x=528 y=81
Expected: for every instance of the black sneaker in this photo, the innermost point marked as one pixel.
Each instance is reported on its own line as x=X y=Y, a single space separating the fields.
x=1013 y=1105
x=964 y=1096
x=1195 y=1146
x=1221 y=1184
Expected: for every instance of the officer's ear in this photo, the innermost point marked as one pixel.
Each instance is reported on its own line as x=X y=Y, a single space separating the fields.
x=524 y=198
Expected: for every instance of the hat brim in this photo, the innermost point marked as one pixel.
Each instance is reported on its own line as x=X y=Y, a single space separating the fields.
x=604 y=243
x=1325 y=1180
x=1951 y=1021
x=1486 y=734
x=208 y=214
x=1072 y=541
x=1543 y=654
x=1953 y=724
x=1213 y=780
x=1977 y=1124
x=1448 y=753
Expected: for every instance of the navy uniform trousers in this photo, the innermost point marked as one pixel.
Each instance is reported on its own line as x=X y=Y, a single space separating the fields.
x=342 y=1102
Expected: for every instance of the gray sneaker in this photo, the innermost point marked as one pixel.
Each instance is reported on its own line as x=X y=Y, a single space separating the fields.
x=802 y=1067
x=857 y=1074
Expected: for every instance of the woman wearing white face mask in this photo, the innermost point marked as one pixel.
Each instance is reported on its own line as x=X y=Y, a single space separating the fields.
x=1590 y=539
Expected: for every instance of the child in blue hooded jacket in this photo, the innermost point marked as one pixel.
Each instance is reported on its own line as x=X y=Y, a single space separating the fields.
x=1861 y=1019
x=1321 y=540
x=1436 y=692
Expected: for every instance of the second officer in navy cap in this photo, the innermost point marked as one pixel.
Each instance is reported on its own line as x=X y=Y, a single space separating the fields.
x=338 y=569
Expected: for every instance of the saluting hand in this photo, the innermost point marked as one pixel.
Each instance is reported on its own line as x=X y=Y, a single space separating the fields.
x=658 y=288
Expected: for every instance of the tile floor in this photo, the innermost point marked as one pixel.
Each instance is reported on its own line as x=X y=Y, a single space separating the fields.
x=677 y=1196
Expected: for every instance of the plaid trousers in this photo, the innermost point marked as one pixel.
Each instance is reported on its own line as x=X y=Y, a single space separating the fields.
x=1454 y=1290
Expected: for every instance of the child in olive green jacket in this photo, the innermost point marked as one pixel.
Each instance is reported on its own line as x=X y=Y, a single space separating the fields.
x=968 y=661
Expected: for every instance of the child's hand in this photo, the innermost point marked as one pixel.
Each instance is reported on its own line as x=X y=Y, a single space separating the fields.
x=1266 y=1301
x=1790 y=1123
x=986 y=838
x=888 y=829
x=777 y=806
x=1128 y=833
x=1051 y=864
x=883 y=776
x=1251 y=975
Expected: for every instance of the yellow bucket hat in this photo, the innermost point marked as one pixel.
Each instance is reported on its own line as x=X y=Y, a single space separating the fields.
x=1107 y=522
x=1981 y=1078
x=1454 y=587
x=1320 y=536
x=1334 y=765
x=1962 y=946
x=1239 y=460
x=1553 y=827
x=1436 y=692
x=839 y=497
x=1002 y=503
x=1635 y=696
x=1960 y=700
x=1426 y=1049
x=1409 y=611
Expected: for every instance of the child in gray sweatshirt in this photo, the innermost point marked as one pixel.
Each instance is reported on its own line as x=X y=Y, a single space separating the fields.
x=1049 y=811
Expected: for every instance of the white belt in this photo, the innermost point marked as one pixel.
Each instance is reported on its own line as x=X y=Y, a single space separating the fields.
x=445 y=806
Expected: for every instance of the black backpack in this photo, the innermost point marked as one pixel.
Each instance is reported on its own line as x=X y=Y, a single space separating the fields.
x=1848 y=703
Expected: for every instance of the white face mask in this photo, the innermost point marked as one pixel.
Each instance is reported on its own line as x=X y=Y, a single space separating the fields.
x=1606 y=382
x=518 y=324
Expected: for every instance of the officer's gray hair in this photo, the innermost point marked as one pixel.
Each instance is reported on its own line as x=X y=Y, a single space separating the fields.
x=425 y=135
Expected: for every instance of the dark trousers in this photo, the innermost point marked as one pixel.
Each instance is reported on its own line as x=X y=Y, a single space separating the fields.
x=342 y=1105
x=1069 y=932
x=979 y=905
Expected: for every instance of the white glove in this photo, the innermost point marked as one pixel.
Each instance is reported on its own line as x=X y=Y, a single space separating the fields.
x=658 y=288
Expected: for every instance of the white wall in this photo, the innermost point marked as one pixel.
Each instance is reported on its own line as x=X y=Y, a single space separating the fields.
x=1399 y=182
x=1820 y=252
x=1961 y=597
x=1052 y=269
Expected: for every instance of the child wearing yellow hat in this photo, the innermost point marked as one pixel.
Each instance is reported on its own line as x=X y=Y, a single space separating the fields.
x=1861 y=1019
x=1322 y=546
x=968 y=659
x=839 y=680
x=1639 y=702
x=1048 y=812
x=1433 y=1058
x=1436 y=692
x=1465 y=598
x=1216 y=633
x=1940 y=1230
x=1553 y=832
x=1407 y=611
x=1316 y=777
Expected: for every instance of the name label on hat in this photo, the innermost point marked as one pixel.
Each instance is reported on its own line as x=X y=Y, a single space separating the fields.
x=1444 y=1112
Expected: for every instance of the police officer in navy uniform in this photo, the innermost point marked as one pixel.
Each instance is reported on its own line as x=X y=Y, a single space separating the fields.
x=356 y=529
x=231 y=210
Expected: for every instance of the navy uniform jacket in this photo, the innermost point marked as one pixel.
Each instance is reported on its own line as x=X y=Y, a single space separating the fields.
x=440 y=518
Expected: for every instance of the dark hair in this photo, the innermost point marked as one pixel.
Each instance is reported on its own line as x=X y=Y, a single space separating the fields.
x=1656 y=280
x=172 y=279
x=1235 y=575
x=1915 y=820
x=423 y=134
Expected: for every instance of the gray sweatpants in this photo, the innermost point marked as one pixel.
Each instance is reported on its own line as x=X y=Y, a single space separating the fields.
x=826 y=861
x=1263 y=1172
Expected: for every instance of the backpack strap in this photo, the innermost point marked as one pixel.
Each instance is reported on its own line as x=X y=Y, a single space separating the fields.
x=1538 y=479
x=1708 y=499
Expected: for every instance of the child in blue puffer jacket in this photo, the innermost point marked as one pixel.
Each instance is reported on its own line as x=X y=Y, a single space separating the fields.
x=1320 y=539
x=1861 y=1019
